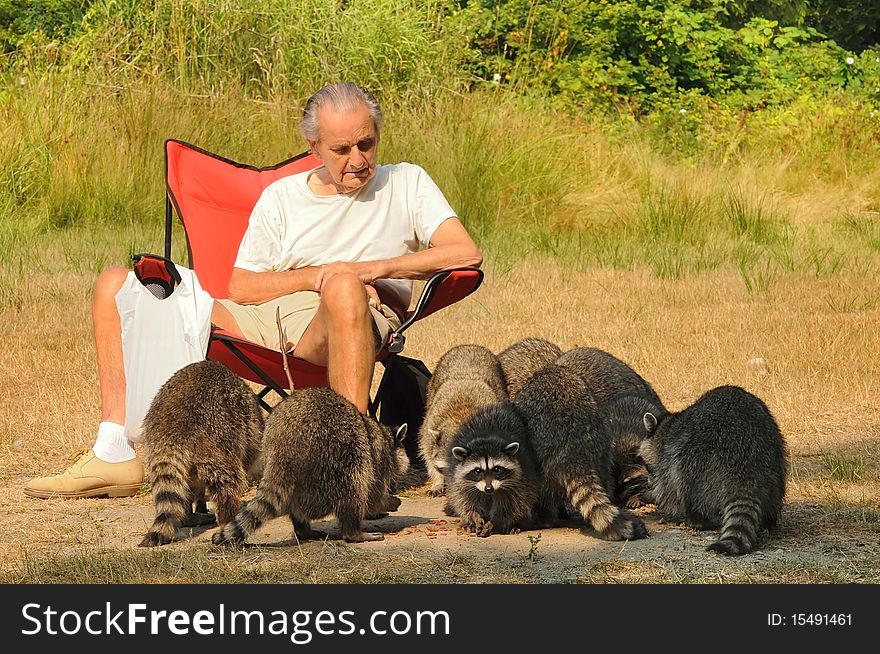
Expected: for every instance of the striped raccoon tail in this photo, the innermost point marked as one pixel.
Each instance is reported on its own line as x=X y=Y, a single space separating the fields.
x=266 y=505
x=739 y=528
x=172 y=496
x=590 y=500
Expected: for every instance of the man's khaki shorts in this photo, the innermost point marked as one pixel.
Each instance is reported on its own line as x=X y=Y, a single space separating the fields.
x=257 y=321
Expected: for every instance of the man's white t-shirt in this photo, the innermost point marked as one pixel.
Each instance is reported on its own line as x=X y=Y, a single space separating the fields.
x=292 y=227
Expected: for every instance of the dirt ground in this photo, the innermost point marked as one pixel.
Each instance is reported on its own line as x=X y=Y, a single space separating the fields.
x=802 y=550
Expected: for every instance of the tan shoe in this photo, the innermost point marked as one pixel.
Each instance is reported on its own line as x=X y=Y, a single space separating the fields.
x=90 y=477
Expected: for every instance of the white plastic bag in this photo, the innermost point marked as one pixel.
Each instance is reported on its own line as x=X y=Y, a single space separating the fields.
x=159 y=337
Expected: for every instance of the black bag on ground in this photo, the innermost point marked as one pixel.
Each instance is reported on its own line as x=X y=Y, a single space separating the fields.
x=402 y=400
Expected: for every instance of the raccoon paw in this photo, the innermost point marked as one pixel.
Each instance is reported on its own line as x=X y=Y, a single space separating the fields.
x=484 y=530
x=449 y=510
x=436 y=492
x=363 y=536
x=220 y=537
x=152 y=539
x=730 y=547
x=472 y=522
x=635 y=502
x=625 y=527
x=505 y=528
x=311 y=534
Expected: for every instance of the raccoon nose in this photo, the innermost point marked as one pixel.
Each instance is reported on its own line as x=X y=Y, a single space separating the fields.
x=489 y=488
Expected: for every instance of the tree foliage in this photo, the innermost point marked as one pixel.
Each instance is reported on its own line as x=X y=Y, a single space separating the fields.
x=648 y=54
x=21 y=20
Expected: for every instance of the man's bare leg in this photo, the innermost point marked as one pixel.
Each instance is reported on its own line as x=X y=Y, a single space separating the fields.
x=224 y=320
x=340 y=337
x=110 y=468
x=108 y=344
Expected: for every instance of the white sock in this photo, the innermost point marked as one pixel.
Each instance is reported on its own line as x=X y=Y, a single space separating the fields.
x=111 y=445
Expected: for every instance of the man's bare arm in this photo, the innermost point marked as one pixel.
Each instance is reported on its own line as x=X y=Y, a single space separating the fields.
x=451 y=247
x=248 y=287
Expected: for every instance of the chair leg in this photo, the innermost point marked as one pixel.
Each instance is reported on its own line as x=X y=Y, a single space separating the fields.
x=270 y=384
x=377 y=399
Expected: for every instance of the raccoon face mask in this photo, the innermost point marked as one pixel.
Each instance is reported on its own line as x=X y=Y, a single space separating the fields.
x=487 y=473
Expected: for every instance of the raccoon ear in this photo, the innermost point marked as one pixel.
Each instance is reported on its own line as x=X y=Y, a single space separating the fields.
x=650 y=422
x=433 y=434
x=400 y=434
x=512 y=449
x=460 y=453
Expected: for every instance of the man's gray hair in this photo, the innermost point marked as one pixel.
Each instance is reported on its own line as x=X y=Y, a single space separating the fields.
x=341 y=96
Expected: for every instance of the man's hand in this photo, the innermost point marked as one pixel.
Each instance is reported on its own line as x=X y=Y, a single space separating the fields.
x=364 y=271
x=373 y=296
x=361 y=270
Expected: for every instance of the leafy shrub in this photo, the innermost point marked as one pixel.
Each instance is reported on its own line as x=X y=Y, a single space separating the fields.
x=649 y=55
x=28 y=20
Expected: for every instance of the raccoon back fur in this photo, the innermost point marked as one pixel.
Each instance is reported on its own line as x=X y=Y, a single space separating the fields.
x=202 y=434
x=493 y=483
x=624 y=418
x=471 y=362
x=607 y=376
x=573 y=448
x=720 y=463
x=524 y=358
x=466 y=378
x=322 y=456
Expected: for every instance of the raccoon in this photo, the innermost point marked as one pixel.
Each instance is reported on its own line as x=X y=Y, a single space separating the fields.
x=492 y=478
x=321 y=457
x=466 y=378
x=523 y=359
x=720 y=463
x=471 y=362
x=607 y=376
x=624 y=418
x=623 y=397
x=202 y=433
x=573 y=448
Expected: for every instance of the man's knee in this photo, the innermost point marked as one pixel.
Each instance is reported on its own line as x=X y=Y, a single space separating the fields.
x=345 y=298
x=108 y=283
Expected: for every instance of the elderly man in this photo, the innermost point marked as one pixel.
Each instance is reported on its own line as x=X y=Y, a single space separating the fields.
x=334 y=247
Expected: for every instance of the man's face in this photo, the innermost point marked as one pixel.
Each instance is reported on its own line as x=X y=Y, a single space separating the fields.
x=347 y=146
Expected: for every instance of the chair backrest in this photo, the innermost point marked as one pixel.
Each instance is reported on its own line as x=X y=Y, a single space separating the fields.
x=213 y=197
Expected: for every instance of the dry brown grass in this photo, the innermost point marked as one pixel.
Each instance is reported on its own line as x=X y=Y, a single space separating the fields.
x=818 y=338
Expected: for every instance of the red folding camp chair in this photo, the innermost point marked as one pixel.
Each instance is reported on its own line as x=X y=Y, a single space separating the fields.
x=213 y=198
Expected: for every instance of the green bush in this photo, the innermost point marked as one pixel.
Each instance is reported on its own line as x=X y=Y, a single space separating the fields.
x=24 y=21
x=647 y=55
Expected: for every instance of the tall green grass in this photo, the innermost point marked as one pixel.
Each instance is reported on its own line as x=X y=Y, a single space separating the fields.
x=83 y=177
x=791 y=191
x=267 y=49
